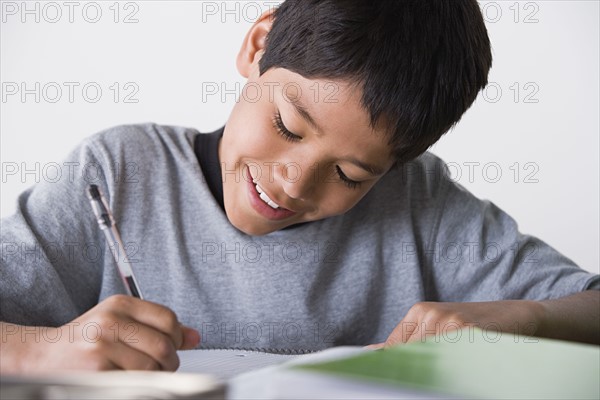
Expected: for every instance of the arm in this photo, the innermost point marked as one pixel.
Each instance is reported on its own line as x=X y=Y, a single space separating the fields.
x=574 y=318
x=504 y=280
x=54 y=270
x=119 y=333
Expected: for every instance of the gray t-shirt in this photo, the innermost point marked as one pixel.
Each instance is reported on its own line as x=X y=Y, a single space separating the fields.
x=350 y=279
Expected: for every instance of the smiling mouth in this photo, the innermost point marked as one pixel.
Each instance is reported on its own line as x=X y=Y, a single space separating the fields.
x=263 y=204
x=264 y=197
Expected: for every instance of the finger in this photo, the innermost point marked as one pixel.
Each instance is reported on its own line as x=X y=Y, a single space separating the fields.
x=88 y=358
x=125 y=357
x=375 y=346
x=191 y=338
x=151 y=314
x=150 y=341
x=402 y=333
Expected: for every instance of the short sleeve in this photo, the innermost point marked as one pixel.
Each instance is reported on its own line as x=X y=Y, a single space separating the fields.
x=52 y=252
x=479 y=254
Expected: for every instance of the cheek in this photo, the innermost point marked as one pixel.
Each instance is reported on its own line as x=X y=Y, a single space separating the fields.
x=251 y=132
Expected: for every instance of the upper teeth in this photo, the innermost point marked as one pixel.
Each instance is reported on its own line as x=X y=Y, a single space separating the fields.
x=265 y=198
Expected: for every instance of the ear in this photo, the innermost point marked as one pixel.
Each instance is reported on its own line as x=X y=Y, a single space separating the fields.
x=254 y=44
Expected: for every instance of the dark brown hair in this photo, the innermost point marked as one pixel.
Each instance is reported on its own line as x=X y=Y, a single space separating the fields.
x=420 y=63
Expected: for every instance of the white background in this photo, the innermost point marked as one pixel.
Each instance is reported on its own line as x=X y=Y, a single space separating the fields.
x=547 y=52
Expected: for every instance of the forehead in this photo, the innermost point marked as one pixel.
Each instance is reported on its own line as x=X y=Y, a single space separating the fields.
x=336 y=108
x=321 y=96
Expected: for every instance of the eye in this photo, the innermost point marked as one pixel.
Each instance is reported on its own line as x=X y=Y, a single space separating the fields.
x=289 y=136
x=347 y=181
x=283 y=131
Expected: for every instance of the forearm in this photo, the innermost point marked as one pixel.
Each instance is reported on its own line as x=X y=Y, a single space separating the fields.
x=575 y=318
x=12 y=348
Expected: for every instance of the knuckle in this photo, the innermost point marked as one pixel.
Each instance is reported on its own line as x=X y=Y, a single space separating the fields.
x=97 y=360
x=95 y=350
x=419 y=308
x=430 y=310
x=103 y=320
x=170 y=319
x=434 y=315
x=149 y=365
x=458 y=319
x=163 y=348
x=169 y=322
x=119 y=301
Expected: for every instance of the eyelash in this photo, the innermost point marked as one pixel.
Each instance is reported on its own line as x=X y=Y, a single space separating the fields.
x=347 y=181
x=289 y=136
x=283 y=131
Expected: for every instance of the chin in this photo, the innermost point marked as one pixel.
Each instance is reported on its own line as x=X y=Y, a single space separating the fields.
x=250 y=227
x=253 y=230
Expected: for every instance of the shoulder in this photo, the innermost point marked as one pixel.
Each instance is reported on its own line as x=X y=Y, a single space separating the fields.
x=146 y=133
x=147 y=140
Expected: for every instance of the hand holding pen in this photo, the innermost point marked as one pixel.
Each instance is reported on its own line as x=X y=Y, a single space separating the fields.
x=153 y=323
x=130 y=333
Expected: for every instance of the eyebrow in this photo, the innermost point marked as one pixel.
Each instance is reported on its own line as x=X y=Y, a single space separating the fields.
x=373 y=170
x=303 y=112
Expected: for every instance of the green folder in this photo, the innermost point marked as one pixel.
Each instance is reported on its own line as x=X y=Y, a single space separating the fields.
x=476 y=363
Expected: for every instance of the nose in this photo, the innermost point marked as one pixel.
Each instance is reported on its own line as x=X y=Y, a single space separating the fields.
x=298 y=180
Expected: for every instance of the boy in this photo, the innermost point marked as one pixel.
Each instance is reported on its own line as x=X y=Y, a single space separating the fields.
x=312 y=219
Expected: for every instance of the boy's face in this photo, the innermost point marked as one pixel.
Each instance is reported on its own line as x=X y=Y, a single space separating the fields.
x=301 y=174
x=307 y=145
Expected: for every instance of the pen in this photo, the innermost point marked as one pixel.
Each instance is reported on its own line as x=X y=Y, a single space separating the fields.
x=109 y=227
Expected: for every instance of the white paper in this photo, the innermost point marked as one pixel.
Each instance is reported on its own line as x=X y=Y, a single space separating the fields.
x=226 y=364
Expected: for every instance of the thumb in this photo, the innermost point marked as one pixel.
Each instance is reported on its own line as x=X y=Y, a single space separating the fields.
x=191 y=338
x=404 y=332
